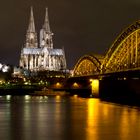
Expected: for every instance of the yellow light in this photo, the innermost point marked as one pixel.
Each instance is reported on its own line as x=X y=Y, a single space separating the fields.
x=75 y=95
x=95 y=83
x=58 y=85
x=75 y=85
x=1 y=81
x=94 y=87
x=26 y=83
x=124 y=78
x=92 y=112
x=58 y=98
x=91 y=80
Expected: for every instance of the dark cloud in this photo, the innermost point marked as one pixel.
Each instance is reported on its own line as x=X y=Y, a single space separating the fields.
x=81 y=26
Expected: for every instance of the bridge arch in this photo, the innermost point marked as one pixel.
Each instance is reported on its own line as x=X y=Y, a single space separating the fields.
x=88 y=65
x=124 y=53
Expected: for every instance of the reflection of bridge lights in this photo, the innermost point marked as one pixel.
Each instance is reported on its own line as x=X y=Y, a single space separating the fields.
x=91 y=123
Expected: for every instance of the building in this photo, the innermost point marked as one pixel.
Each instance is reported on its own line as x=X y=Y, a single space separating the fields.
x=41 y=56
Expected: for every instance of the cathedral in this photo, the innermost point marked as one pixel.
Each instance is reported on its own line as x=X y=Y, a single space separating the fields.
x=41 y=56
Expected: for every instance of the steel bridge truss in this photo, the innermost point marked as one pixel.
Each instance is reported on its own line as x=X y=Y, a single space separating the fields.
x=87 y=65
x=124 y=54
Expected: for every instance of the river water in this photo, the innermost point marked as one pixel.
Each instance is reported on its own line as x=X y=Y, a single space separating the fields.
x=66 y=118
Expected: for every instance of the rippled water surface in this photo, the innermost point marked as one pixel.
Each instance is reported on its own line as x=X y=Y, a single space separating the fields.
x=66 y=118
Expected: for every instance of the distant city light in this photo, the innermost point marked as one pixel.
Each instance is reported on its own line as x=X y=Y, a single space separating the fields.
x=27 y=97
x=1 y=66
x=5 y=68
x=8 y=97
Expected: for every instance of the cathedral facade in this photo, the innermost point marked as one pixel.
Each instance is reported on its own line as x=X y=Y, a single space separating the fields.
x=41 y=56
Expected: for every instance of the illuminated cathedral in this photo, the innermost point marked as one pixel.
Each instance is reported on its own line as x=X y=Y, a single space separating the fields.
x=41 y=56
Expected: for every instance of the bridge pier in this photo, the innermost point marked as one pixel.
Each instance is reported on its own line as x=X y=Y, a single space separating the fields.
x=83 y=86
x=94 y=85
x=120 y=90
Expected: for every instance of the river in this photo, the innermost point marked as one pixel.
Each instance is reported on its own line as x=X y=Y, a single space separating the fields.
x=66 y=118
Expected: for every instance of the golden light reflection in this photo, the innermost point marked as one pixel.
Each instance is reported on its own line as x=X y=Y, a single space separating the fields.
x=92 y=113
x=58 y=114
x=130 y=117
x=105 y=110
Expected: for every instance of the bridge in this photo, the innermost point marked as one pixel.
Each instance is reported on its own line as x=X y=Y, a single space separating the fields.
x=121 y=64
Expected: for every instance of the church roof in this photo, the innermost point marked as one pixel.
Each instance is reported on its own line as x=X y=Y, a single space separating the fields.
x=31 y=50
x=57 y=52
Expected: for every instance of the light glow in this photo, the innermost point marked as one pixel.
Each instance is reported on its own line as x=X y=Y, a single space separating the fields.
x=8 y=97
x=58 y=85
x=27 y=97
x=5 y=68
x=75 y=85
x=94 y=87
x=1 y=65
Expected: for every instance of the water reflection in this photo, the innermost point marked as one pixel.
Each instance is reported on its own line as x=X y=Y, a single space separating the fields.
x=112 y=121
x=92 y=113
x=60 y=118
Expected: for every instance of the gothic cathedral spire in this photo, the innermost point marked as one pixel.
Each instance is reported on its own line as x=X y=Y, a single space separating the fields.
x=40 y=57
x=31 y=35
x=46 y=25
x=31 y=27
x=46 y=34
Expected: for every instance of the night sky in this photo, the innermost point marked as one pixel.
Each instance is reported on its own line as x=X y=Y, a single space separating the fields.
x=80 y=26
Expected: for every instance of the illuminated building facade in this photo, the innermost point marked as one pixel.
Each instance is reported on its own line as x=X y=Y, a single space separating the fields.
x=41 y=56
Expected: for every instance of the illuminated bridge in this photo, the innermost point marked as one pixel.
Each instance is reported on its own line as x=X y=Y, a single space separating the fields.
x=123 y=55
x=88 y=65
x=121 y=61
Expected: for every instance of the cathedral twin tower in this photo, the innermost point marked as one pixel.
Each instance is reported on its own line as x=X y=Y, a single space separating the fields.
x=41 y=56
